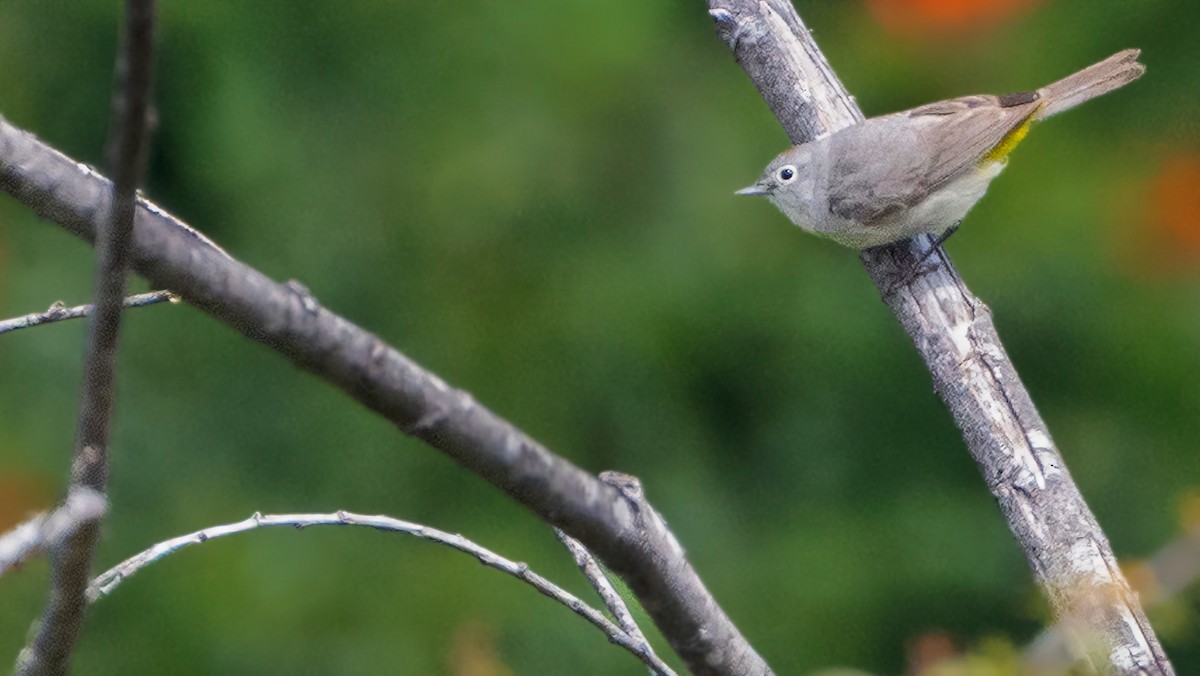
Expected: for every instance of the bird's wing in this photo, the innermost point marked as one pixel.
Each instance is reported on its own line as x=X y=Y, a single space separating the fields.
x=887 y=164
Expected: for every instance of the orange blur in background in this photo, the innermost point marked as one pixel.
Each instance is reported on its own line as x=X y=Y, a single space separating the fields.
x=945 y=16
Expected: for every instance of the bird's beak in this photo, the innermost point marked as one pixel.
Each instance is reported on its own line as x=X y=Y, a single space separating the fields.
x=755 y=190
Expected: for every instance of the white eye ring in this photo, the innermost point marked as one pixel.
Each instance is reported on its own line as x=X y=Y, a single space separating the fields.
x=786 y=173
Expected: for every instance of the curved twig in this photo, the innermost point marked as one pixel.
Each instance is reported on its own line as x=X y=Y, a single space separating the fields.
x=105 y=583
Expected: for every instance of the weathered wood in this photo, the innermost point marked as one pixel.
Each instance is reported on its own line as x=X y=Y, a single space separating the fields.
x=953 y=332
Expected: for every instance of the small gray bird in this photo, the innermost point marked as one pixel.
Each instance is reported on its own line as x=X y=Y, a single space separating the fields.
x=919 y=171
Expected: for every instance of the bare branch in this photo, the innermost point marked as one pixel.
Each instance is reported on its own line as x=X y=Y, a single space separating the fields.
x=126 y=155
x=105 y=583
x=953 y=331
x=285 y=317
x=46 y=531
x=59 y=312
x=49 y=651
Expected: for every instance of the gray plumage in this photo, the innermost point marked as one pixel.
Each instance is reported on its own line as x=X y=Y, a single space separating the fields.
x=920 y=170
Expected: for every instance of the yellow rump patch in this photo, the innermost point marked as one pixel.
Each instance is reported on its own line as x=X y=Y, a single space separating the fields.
x=1001 y=150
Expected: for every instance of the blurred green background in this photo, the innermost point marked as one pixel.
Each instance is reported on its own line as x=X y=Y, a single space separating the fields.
x=533 y=199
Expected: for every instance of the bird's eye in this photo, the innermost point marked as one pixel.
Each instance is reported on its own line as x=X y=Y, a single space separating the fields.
x=786 y=174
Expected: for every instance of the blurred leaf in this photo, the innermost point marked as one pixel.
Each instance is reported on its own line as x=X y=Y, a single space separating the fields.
x=1176 y=207
x=946 y=18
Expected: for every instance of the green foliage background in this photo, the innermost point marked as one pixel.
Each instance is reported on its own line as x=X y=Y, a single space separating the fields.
x=533 y=199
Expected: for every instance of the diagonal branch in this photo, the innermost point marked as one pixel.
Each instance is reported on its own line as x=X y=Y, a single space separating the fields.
x=106 y=582
x=1172 y=569
x=953 y=332
x=49 y=651
x=600 y=582
x=614 y=522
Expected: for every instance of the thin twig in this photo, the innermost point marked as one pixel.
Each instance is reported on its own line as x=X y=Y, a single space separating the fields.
x=1071 y=558
x=59 y=312
x=599 y=581
x=105 y=583
x=46 y=530
x=49 y=651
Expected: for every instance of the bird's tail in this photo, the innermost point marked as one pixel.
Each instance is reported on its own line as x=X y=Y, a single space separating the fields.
x=1112 y=73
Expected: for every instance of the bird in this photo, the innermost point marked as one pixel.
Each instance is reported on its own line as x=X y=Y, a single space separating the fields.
x=920 y=171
